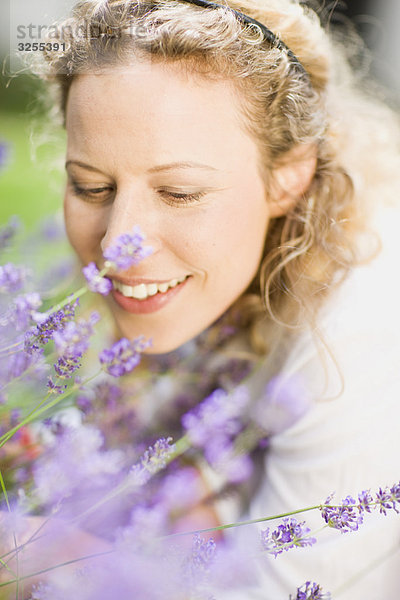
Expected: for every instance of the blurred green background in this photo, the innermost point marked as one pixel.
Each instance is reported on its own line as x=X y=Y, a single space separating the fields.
x=31 y=177
x=31 y=180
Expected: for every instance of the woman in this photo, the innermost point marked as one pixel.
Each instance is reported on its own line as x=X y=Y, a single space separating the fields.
x=253 y=165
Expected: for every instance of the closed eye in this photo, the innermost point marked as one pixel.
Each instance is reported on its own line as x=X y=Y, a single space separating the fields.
x=181 y=198
x=96 y=194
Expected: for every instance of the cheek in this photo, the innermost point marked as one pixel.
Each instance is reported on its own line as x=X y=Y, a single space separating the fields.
x=228 y=242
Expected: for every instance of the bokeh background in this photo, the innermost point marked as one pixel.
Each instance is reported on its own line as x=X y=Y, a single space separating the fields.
x=31 y=147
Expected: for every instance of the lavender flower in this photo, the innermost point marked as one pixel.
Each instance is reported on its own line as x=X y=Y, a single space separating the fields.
x=24 y=309
x=289 y=534
x=203 y=552
x=349 y=515
x=123 y=356
x=21 y=361
x=220 y=452
x=108 y=394
x=153 y=460
x=214 y=425
x=395 y=495
x=218 y=415
x=196 y=567
x=388 y=498
x=156 y=457
x=84 y=403
x=67 y=365
x=127 y=250
x=311 y=591
x=345 y=517
x=96 y=283
x=4 y=153
x=365 y=501
x=8 y=231
x=54 y=388
x=73 y=339
x=180 y=489
x=49 y=324
x=146 y=524
x=12 y=278
x=74 y=463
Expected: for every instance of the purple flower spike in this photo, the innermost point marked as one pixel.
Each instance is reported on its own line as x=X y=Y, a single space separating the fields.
x=384 y=500
x=54 y=388
x=289 y=534
x=47 y=326
x=311 y=591
x=345 y=517
x=12 y=278
x=96 y=283
x=155 y=458
x=127 y=250
x=123 y=356
x=365 y=501
x=199 y=562
x=395 y=496
x=25 y=309
x=217 y=416
x=66 y=366
x=73 y=339
x=203 y=553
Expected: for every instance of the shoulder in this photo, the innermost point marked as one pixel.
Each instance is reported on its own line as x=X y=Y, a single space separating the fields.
x=357 y=333
x=349 y=366
x=349 y=439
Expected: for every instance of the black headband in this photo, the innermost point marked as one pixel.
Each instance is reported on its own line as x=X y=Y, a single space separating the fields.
x=269 y=35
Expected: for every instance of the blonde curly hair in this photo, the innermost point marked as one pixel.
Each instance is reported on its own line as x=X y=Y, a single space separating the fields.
x=312 y=247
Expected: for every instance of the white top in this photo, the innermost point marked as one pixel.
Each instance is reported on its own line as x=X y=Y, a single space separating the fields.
x=344 y=444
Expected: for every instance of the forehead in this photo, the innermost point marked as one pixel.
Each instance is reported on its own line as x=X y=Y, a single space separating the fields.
x=156 y=108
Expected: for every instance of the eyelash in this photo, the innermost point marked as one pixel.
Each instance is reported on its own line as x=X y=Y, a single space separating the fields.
x=90 y=194
x=178 y=198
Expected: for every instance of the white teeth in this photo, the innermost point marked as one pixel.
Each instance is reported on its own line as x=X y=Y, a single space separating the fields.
x=143 y=290
x=152 y=289
x=125 y=289
x=140 y=291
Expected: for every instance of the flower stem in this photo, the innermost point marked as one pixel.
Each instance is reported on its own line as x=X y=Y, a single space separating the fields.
x=78 y=294
x=12 y=347
x=181 y=446
x=41 y=408
x=249 y=522
x=64 y=564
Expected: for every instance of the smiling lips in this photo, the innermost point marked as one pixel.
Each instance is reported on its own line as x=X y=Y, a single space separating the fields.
x=144 y=290
x=147 y=297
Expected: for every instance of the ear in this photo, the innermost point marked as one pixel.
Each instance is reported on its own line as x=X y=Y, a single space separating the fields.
x=291 y=178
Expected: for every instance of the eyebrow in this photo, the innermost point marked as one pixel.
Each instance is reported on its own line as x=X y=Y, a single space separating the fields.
x=81 y=164
x=181 y=165
x=166 y=167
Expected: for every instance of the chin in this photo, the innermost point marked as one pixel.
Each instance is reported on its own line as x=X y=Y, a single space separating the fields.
x=162 y=341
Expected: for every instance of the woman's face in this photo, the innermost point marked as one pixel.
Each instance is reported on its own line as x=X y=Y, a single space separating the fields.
x=150 y=145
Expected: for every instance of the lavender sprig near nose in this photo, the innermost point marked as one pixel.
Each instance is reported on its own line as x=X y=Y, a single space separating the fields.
x=126 y=251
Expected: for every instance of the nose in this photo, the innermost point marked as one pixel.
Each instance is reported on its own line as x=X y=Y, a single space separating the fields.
x=128 y=209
